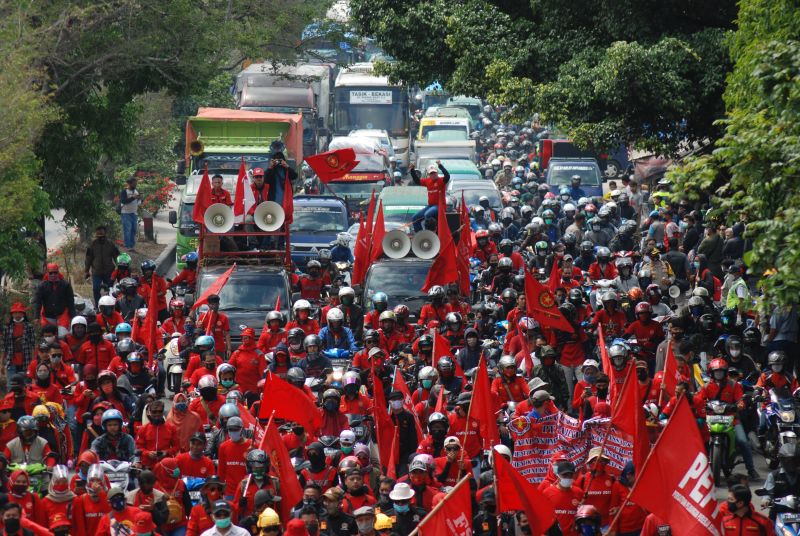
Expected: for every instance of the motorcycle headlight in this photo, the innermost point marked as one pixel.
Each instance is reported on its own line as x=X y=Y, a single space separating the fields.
x=719 y=409
x=787 y=416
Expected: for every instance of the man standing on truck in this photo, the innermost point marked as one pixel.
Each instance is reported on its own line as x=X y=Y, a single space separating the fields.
x=218 y=193
x=434 y=183
x=276 y=177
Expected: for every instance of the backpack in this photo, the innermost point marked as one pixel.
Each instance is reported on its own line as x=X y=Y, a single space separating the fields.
x=717 y=286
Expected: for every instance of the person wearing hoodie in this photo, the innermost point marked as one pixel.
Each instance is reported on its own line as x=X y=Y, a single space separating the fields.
x=43 y=386
x=249 y=362
x=30 y=502
x=59 y=497
x=157 y=439
x=281 y=362
x=79 y=481
x=185 y=421
x=179 y=504
x=54 y=296
x=319 y=471
x=89 y=507
x=469 y=356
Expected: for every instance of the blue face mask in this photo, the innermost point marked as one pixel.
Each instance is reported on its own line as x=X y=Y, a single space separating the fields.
x=401 y=508
x=182 y=406
x=223 y=523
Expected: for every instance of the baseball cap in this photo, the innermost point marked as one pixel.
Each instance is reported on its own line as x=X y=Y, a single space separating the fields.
x=113 y=492
x=221 y=506
x=364 y=511
x=451 y=440
x=258 y=172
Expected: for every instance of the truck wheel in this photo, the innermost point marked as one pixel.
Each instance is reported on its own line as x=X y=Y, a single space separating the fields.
x=613 y=169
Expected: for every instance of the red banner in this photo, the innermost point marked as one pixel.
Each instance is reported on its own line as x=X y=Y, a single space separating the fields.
x=333 y=164
x=618 y=447
x=536 y=441
x=452 y=516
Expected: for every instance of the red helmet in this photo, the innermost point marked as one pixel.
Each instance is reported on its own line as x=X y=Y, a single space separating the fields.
x=176 y=302
x=653 y=290
x=549 y=195
x=636 y=294
x=717 y=364
x=587 y=511
x=401 y=311
x=644 y=307
x=482 y=233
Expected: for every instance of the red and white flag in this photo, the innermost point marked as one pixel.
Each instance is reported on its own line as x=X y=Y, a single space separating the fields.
x=244 y=201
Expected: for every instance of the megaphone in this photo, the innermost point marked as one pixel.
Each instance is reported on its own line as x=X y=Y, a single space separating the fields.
x=674 y=292
x=218 y=218
x=269 y=216
x=396 y=244
x=196 y=147
x=425 y=244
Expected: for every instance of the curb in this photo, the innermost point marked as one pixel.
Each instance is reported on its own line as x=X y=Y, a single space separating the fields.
x=165 y=258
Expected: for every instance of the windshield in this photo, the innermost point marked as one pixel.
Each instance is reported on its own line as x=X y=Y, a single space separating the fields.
x=383 y=108
x=456 y=129
x=318 y=220
x=399 y=216
x=354 y=189
x=186 y=225
x=560 y=174
x=434 y=100
x=248 y=291
x=472 y=196
x=397 y=281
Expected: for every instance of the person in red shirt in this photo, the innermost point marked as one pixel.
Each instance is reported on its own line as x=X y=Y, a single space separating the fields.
x=469 y=436
x=218 y=193
x=194 y=463
x=484 y=248
x=421 y=481
x=509 y=386
x=515 y=315
x=655 y=526
x=380 y=304
x=356 y=492
x=231 y=461
x=151 y=279
x=603 y=268
x=302 y=318
x=435 y=185
x=43 y=387
x=59 y=498
x=390 y=338
x=76 y=336
x=249 y=362
x=157 y=439
x=30 y=502
x=50 y=335
x=354 y=402
x=454 y=303
x=647 y=331
x=209 y=402
x=311 y=283
x=200 y=518
x=176 y=320
x=436 y=310
x=565 y=497
x=742 y=517
x=88 y=508
x=169 y=482
x=108 y=318
x=610 y=316
x=8 y=427
x=452 y=465
x=216 y=324
x=273 y=332
x=120 y=514
x=187 y=276
x=600 y=487
x=96 y=351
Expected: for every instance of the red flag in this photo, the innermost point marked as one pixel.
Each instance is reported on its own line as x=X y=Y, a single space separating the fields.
x=151 y=339
x=281 y=466
x=604 y=359
x=542 y=305
x=464 y=247
x=671 y=376
x=452 y=516
x=377 y=236
x=440 y=402
x=441 y=348
x=483 y=407
x=675 y=482
x=277 y=303
x=627 y=415
x=244 y=201
x=362 y=253
x=514 y=492
x=399 y=384
x=203 y=199
x=288 y=201
x=289 y=403
x=444 y=269
x=384 y=427
x=333 y=164
x=555 y=277
x=391 y=470
x=215 y=287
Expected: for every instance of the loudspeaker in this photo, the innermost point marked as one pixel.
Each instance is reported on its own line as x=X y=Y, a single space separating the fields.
x=674 y=291
x=218 y=218
x=396 y=244
x=269 y=216
x=425 y=244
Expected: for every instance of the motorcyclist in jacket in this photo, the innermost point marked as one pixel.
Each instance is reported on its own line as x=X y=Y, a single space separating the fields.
x=336 y=335
x=114 y=444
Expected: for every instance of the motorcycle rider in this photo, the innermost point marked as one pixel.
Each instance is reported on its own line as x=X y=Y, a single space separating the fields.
x=742 y=517
x=302 y=318
x=784 y=481
x=551 y=373
x=509 y=386
x=353 y=313
x=114 y=444
x=380 y=303
x=436 y=310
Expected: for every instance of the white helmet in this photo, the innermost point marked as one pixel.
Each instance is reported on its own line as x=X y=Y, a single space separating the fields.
x=347 y=436
x=335 y=315
x=107 y=301
x=495 y=163
x=346 y=291
x=78 y=320
x=301 y=304
x=569 y=207
x=502 y=450
x=343 y=239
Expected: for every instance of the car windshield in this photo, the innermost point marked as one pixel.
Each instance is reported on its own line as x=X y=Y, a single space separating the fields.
x=400 y=215
x=561 y=173
x=397 y=282
x=355 y=189
x=318 y=219
x=248 y=291
x=472 y=196
x=186 y=221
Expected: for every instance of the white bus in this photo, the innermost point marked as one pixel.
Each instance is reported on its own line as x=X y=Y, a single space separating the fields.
x=362 y=100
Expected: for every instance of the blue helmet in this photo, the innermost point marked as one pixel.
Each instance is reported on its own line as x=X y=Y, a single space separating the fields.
x=190 y=257
x=110 y=415
x=205 y=341
x=380 y=297
x=123 y=327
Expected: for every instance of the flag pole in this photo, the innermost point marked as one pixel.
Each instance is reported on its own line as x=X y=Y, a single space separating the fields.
x=640 y=472
x=663 y=386
x=597 y=461
x=438 y=506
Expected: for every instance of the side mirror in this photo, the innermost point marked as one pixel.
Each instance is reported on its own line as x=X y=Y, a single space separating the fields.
x=180 y=167
x=180 y=180
x=173 y=217
x=295 y=296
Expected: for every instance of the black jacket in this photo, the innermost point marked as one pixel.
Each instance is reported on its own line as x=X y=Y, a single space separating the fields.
x=55 y=297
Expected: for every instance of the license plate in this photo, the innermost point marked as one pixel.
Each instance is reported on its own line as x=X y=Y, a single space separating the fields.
x=719 y=419
x=791 y=518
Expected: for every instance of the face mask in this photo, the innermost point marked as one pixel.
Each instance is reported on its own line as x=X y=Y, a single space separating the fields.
x=732 y=506
x=209 y=366
x=60 y=487
x=347 y=450
x=131 y=291
x=365 y=527
x=587 y=530
x=96 y=337
x=525 y=530
x=427 y=384
x=11 y=525
x=565 y=482
x=19 y=489
x=401 y=508
x=439 y=434
x=777 y=368
x=182 y=407
x=19 y=320
x=156 y=421
x=176 y=473
x=641 y=374
x=312 y=528
x=315 y=458
x=734 y=352
x=590 y=378
x=223 y=523
x=235 y=435
x=602 y=393
x=396 y=404
x=42 y=375
x=49 y=339
x=118 y=503
x=331 y=405
x=227 y=383
x=55 y=359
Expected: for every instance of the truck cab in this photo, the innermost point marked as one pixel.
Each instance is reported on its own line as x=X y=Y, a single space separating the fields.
x=561 y=170
x=318 y=219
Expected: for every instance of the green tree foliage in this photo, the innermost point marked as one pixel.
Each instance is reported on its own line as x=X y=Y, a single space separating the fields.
x=650 y=72
x=753 y=173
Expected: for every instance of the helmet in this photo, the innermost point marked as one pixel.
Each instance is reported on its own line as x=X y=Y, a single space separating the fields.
x=587 y=512
x=636 y=294
x=78 y=321
x=445 y=363
x=701 y=292
x=205 y=342
x=123 y=259
x=228 y=410
x=225 y=367
x=437 y=417
x=147 y=266
x=26 y=422
x=506 y=361
x=718 y=364
x=106 y=301
x=610 y=296
x=191 y=257
x=135 y=357
x=618 y=350
x=777 y=357
x=296 y=334
x=603 y=254
x=569 y=207
x=268 y=518
x=274 y=315
x=453 y=318
x=334 y=315
x=177 y=303
x=346 y=291
x=123 y=327
x=331 y=393
x=696 y=301
x=386 y=315
x=401 y=311
x=525 y=323
x=207 y=382
x=296 y=375
x=575 y=296
x=41 y=411
x=256 y=456
x=586 y=246
x=314 y=265
x=495 y=228
x=108 y=415
x=301 y=304
x=428 y=373
x=643 y=307
x=372 y=335
x=505 y=264
x=436 y=291
x=312 y=340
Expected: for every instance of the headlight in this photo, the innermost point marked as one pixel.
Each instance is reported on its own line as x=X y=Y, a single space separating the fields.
x=719 y=409
x=787 y=416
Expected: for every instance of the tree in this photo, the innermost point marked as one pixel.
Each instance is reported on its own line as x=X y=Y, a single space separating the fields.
x=608 y=71
x=753 y=174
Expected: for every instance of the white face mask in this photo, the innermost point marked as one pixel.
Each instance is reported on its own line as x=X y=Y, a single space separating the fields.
x=566 y=482
x=777 y=368
x=396 y=404
x=49 y=339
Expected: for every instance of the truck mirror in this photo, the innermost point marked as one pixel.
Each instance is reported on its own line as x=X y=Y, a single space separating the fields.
x=180 y=167
x=173 y=217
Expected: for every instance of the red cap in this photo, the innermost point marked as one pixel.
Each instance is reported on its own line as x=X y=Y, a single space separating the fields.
x=296 y=527
x=143 y=522
x=52 y=267
x=60 y=520
x=249 y=332
x=6 y=405
x=18 y=307
x=258 y=172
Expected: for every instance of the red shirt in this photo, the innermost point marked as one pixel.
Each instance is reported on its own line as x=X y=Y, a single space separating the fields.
x=596 y=272
x=174 y=325
x=648 y=334
x=451 y=477
x=198 y=405
x=187 y=275
x=161 y=288
x=603 y=492
x=613 y=324
x=202 y=468
x=108 y=324
x=221 y=196
x=434 y=186
x=219 y=329
x=565 y=503
x=86 y=513
x=269 y=339
x=250 y=366
x=470 y=440
x=503 y=391
x=126 y=517
x=430 y=312
x=151 y=438
x=99 y=355
x=199 y=521
x=231 y=463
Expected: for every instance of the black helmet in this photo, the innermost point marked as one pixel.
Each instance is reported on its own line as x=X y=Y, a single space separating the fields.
x=445 y=363
x=372 y=335
x=296 y=334
x=575 y=296
x=587 y=246
x=296 y=376
x=147 y=266
x=569 y=239
x=509 y=294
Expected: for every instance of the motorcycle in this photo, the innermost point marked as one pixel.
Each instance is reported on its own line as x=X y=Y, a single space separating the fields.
x=173 y=364
x=722 y=446
x=330 y=445
x=38 y=475
x=785 y=510
x=119 y=473
x=782 y=426
x=193 y=486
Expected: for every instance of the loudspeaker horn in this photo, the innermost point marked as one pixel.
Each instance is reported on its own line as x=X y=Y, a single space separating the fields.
x=218 y=218
x=674 y=291
x=269 y=216
x=425 y=244
x=396 y=244
x=196 y=147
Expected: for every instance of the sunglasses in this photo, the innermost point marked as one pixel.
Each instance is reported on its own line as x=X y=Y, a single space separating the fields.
x=452 y=449
x=57 y=355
